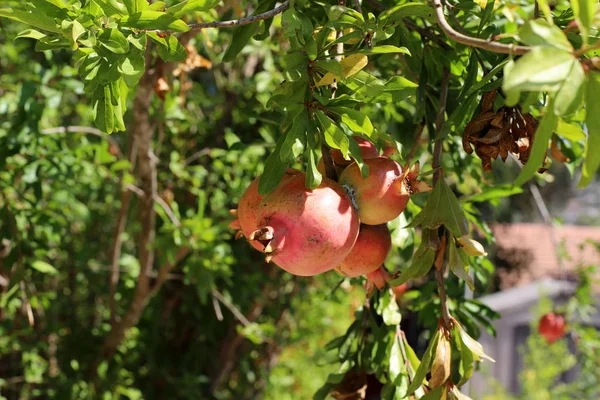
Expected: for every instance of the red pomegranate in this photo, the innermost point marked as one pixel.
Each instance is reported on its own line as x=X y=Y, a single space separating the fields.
x=383 y=195
x=369 y=252
x=248 y=207
x=379 y=277
x=305 y=232
x=552 y=327
x=367 y=151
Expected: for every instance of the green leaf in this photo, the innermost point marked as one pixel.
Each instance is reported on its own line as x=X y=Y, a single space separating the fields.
x=584 y=11
x=114 y=41
x=466 y=365
x=295 y=138
x=543 y=68
x=388 y=309
x=44 y=267
x=421 y=263
x=435 y=394
x=242 y=34
x=355 y=120
x=570 y=95
x=313 y=176
x=386 y=49
x=539 y=32
x=334 y=135
x=458 y=262
x=494 y=192
x=135 y=6
x=540 y=144
x=30 y=33
x=154 y=20
x=186 y=7
x=443 y=208
x=419 y=10
x=424 y=366
x=37 y=19
x=592 y=123
x=475 y=347
x=274 y=170
x=103 y=109
x=111 y=7
x=157 y=6
x=52 y=43
x=571 y=132
x=169 y=48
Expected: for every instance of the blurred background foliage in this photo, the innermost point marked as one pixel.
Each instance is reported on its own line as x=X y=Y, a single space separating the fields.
x=226 y=324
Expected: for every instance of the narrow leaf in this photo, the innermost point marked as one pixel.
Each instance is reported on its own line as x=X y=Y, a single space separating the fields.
x=186 y=7
x=424 y=366
x=44 y=267
x=154 y=20
x=592 y=123
x=540 y=144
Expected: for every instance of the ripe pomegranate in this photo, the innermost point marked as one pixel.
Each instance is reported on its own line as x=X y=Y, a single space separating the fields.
x=305 y=232
x=379 y=277
x=367 y=151
x=248 y=207
x=369 y=252
x=552 y=327
x=383 y=195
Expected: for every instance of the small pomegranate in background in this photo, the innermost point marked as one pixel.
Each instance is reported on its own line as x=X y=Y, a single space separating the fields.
x=400 y=290
x=379 y=277
x=383 y=195
x=552 y=327
x=389 y=150
x=367 y=151
x=305 y=232
x=369 y=252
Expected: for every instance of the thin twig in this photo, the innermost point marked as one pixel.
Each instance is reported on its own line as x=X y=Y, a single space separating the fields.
x=83 y=129
x=471 y=41
x=234 y=310
x=235 y=22
x=159 y=200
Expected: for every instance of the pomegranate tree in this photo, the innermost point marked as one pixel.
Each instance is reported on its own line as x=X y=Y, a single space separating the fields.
x=305 y=232
x=384 y=193
x=369 y=252
x=552 y=327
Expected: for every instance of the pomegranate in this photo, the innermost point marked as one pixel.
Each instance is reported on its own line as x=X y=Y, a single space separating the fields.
x=552 y=327
x=248 y=208
x=379 y=277
x=305 y=232
x=389 y=150
x=369 y=252
x=383 y=195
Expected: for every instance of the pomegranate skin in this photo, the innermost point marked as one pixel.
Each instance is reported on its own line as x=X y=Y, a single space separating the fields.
x=378 y=278
x=400 y=290
x=552 y=327
x=249 y=206
x=369 y=252
x=305 y=232
x=367 y=151
x=381 y=196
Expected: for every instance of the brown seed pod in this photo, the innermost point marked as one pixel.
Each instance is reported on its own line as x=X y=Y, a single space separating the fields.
x=487 y=101
x=440 y=368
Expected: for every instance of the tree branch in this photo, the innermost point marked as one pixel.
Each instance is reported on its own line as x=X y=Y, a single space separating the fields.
x=471 y=41
x=83 y=129
x=115 y=250
x=236 y=22
x=437 y=175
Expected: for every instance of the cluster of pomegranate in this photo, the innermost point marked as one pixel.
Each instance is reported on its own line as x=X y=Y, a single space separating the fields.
x=339 y=225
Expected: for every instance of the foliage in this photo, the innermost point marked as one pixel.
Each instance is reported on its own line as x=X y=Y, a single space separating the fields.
x=92 y=225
